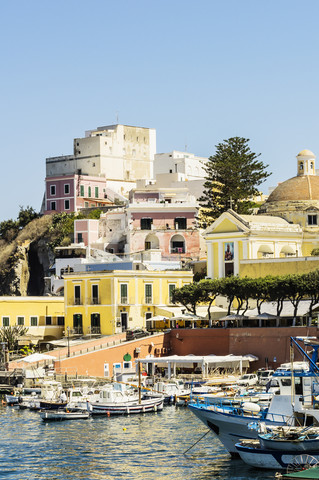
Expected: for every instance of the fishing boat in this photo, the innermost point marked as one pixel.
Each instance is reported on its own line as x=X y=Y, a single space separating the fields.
x=296 y=402
x=54 y=415
x=292 y=439
x=311 y=473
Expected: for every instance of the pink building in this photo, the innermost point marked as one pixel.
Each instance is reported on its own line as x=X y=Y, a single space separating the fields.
x=70 y=193
x=163 y=219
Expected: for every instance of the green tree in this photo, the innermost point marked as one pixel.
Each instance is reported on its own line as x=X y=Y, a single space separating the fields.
x=211 y=289
x=190 y=296
x=26 y=215
x=11 y=335
x=232 y=177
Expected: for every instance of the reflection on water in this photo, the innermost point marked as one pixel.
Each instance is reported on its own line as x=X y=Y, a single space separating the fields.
x=137 y=447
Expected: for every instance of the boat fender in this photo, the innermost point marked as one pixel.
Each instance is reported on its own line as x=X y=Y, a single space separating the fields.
x=108 y=414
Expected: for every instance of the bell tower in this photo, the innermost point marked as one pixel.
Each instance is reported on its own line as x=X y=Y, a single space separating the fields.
x=306 y=163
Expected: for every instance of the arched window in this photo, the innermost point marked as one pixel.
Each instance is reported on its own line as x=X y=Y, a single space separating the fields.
x=177 y=244
x=301 y=166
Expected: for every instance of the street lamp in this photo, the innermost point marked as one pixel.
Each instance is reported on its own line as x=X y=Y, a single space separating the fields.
x=68 y=330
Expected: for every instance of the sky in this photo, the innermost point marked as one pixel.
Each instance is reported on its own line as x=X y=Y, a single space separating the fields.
x=198 y=72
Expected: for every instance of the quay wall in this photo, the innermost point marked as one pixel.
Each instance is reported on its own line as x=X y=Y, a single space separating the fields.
x=267 y=343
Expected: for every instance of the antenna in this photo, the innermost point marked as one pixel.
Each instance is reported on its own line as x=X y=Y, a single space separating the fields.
x=117 y=118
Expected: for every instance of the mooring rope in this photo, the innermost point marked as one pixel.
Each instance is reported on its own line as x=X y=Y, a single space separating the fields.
x=197 y=441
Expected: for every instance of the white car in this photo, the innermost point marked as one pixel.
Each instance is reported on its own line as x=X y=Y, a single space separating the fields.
x=248 y=379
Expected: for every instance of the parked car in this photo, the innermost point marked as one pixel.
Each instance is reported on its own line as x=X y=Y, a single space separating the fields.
x=136 y=333
x=248 y=379
x=264 y=376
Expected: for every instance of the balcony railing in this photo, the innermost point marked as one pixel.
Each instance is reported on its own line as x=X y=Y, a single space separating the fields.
x=77 y=301
x=94 y=330
x=124 y=300
x=148 y=300
x=77 y=331
x=95 y=301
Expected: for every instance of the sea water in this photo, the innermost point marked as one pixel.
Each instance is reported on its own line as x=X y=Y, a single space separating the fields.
x=149 y=446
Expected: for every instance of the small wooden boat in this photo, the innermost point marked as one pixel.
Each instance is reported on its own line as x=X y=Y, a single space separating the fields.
x=49 y=415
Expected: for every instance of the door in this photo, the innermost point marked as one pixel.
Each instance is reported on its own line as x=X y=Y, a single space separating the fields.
x=124 y=321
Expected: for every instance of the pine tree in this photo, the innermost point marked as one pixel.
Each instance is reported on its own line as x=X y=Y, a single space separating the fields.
x=232 y=177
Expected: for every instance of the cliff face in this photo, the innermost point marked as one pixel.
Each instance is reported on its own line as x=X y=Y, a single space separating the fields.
x=25 y=262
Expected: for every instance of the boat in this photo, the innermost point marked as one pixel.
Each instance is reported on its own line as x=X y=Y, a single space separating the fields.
x=51 y=415
x=253 y=454
x=292 y=439
x=171 y=390
x=296 y=402
x=118 y=399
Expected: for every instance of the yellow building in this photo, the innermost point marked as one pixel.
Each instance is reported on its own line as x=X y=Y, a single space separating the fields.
x=279 y=240
x=111 y=302
x=43 y=316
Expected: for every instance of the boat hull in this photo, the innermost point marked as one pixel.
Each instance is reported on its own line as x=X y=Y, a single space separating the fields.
x=271 y=459
x=48 y=415
x=228 y=427
x=109 y=409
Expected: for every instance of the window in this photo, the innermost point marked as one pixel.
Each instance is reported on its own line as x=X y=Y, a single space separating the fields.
x=77 y=295
x=148 y=245
x=86 y=204
x=66 y=204
x=171 y=288
x=82 y=190
x=80 y=237
x=48 y=320
x=66 y=188
x=52 y=190
x=301 y=166
x=146 y=223
x=60 y=321
x=5 y=321
x=148 y=293
x=89 y=191
x=180 y=223
x=95 y=294
x=53 y=205
x=20 y=320
x=124 y=293
x=33 y=321
x=96 y=192
x=312 y=219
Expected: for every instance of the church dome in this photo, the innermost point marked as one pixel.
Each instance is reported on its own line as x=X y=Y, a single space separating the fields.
x=303 y=187
x=306 y=153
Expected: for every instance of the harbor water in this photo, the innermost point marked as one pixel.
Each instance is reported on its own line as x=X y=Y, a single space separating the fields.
x=138 y=447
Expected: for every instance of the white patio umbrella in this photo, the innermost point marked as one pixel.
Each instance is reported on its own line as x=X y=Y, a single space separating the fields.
x=36 y=357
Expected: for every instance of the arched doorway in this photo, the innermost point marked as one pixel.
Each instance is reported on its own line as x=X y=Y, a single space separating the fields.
x=177 y=244
x=151 y=242
x=77 y=324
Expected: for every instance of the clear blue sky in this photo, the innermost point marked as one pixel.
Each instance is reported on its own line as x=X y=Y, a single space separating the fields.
x=198 y=72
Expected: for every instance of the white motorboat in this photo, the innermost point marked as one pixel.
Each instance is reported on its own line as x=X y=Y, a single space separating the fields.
x=117 y=399
x=51 y=415
x=292 y=439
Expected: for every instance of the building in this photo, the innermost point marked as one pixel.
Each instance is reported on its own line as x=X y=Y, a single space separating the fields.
x=279 y=240
x=42 y=316
x=180 y=169
x=120 y=154
x=111 y=302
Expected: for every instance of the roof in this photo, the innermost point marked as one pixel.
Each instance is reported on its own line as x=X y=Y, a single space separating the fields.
x=303 y=187
x=306 y=153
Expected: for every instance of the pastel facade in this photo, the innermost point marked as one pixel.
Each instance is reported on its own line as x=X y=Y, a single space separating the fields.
x=110 y=302
x=71 y=193
x=280 y=239
x=163 y=219
x=233 y=238
x=187 y=164
x=43 y=316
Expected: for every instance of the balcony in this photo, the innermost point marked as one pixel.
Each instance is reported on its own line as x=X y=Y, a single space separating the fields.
x=94 y=330
x=77 y=301
x=148 y=300
x=95 y=301
x=124 y=300
x=77 y=331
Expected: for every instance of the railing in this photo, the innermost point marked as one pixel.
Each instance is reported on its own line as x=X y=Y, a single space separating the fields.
x=77 y=301
x=124 y=300
x=95 y=301
x=148 y=300
x=94 y=330
x=77 y=331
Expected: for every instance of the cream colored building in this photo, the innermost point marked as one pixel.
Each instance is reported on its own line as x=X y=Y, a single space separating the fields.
x=120 y=153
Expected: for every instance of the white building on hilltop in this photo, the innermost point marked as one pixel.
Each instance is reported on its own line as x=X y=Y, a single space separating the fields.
x=120 y=153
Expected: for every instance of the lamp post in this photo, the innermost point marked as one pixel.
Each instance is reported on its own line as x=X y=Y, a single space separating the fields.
x=68 y=330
